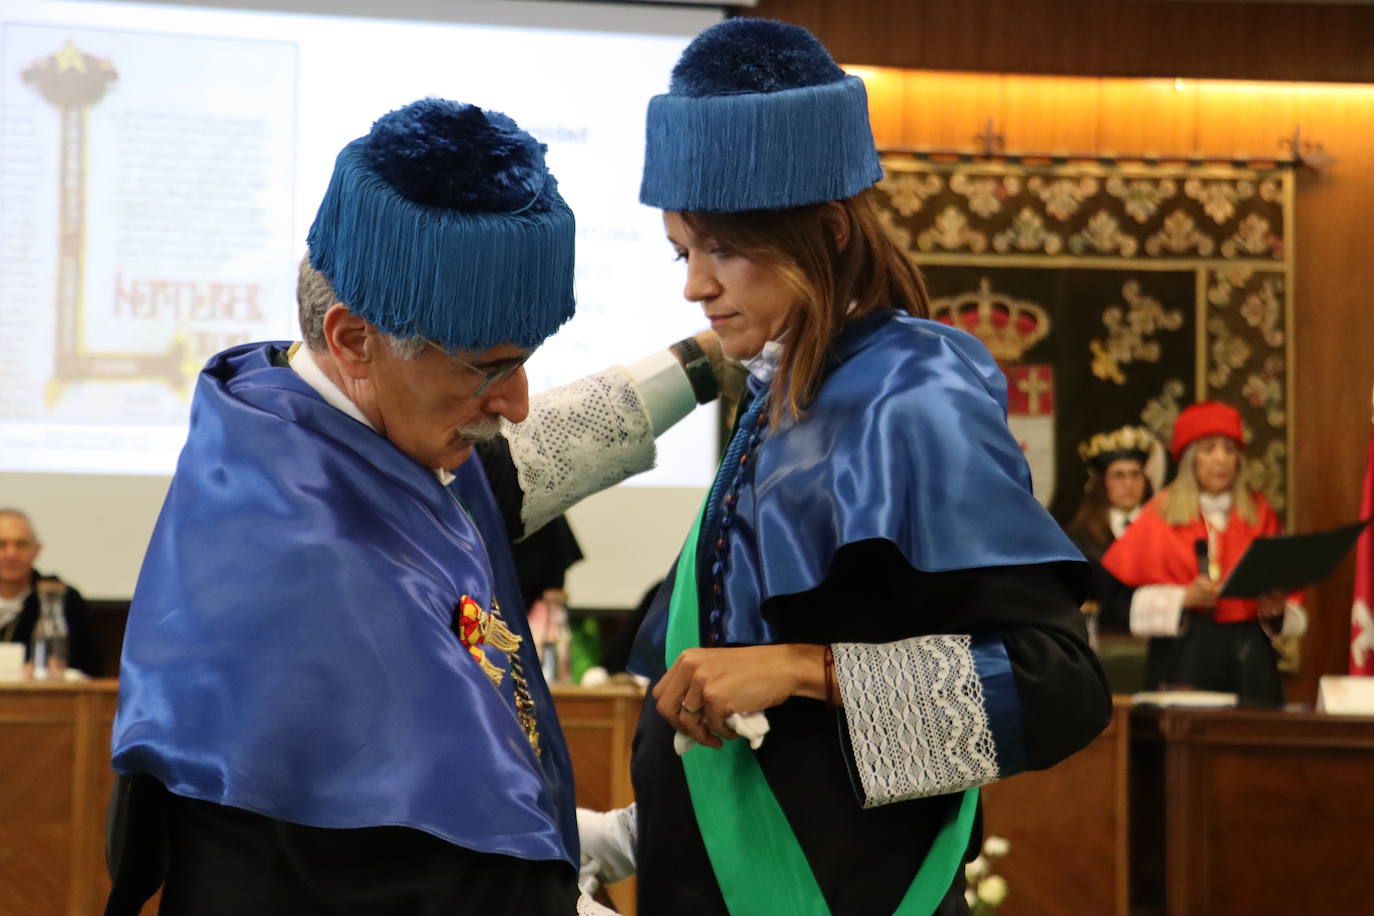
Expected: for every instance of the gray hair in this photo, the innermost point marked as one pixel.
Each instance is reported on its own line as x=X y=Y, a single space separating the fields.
x=315 y=295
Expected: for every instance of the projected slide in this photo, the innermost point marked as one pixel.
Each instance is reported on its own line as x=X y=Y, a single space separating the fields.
x=147 y=213
x=160 y=166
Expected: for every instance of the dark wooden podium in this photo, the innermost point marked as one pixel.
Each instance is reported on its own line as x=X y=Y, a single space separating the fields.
x=1239 y=812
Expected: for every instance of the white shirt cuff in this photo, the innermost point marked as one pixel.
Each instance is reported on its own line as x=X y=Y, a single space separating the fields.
x=664 y=388
x=1157 y=610
x=1294 y=620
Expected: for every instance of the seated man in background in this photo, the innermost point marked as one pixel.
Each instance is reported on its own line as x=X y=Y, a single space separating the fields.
x=329 y=702
x=19 y=607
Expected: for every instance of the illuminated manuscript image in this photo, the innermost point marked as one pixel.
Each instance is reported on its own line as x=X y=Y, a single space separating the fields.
x=147 y=186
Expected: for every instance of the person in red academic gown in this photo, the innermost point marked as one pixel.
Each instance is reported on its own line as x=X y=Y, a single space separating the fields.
x=1180 y=549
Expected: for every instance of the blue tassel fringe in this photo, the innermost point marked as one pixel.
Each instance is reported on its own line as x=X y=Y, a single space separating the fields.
x=468 y=281
x=760 y=150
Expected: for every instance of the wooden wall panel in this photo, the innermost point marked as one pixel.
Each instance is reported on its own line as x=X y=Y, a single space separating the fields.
x=1163 y=38
x=1333 y=367
x=1063 y=113
x=1148 y=116
x=1334 y=341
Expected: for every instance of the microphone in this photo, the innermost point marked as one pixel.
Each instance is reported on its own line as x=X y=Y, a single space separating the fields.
x=1200 y=551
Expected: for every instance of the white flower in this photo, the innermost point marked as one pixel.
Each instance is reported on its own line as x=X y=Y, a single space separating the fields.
x=996 y=846
x=975 y=869
x=970 y=898
x=992 y=890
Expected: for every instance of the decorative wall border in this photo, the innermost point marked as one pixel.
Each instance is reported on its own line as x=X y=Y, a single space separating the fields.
x=1230 y=226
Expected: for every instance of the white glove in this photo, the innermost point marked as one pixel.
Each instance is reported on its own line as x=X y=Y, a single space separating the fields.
x=751 y=726
x=608 y=847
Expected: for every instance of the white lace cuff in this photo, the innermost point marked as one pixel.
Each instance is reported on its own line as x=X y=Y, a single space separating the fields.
x=578 y=439
x=586 y=906
x=1157 y=610
x=916 y=716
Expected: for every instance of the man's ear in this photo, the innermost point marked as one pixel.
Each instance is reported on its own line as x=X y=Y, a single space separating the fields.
x=836 y=222
x=347 y=335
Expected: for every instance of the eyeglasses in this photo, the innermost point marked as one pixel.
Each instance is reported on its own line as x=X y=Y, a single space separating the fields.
x=490 y=374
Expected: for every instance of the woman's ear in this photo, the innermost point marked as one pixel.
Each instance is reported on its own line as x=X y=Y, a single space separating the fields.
x=836 y=222
x=346 y=334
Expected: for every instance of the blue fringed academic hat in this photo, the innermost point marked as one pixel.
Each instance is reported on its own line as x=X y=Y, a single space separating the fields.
x=757 y=117
x=444 y=223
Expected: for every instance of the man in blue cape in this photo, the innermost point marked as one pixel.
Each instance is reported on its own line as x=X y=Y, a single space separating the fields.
x=329 y=700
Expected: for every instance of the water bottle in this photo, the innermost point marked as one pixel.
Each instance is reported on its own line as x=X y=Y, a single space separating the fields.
x=48 y=649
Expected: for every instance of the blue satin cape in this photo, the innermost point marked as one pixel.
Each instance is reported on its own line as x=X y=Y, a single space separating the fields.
x=906 y=441
x=289 y=649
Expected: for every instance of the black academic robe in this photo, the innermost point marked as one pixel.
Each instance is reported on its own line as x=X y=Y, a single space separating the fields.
x=864 y=859
x=1112 y=598
x=83 y=649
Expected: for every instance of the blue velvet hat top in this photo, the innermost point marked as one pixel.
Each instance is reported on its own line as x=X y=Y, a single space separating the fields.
x=757 y=117
x=444 y=223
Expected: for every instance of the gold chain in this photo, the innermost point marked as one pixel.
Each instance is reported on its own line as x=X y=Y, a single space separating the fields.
x=524 y=703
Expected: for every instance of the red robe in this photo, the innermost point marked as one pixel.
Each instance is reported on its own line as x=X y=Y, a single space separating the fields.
x=1153 y=552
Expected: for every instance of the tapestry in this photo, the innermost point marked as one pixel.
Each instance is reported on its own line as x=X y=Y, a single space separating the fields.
x=1112 y=294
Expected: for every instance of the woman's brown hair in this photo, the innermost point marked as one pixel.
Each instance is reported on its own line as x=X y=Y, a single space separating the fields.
x=870 y=271
x=1092 y=522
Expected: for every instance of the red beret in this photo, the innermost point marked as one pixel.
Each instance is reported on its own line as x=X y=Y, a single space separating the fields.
x=1206 y=419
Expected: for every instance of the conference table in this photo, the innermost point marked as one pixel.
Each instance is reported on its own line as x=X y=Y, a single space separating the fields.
x=55 y=781
x=1185 y=812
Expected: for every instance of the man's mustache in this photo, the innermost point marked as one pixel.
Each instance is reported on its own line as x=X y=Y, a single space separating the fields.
x=482 y=431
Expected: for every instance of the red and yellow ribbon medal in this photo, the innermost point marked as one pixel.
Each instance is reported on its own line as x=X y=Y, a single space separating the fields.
x=479 y=629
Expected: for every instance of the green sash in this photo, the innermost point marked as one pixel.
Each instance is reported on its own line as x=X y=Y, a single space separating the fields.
x=758 y=863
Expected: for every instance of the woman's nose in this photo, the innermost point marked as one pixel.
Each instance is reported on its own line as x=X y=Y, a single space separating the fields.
x=701 y=280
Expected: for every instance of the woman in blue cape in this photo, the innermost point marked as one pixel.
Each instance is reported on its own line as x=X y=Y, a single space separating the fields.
x=870 y=596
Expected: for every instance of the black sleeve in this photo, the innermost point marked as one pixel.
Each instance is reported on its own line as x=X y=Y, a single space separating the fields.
x=504 y=483
x=1112 y=597
x=873 y=595
x=542 y=559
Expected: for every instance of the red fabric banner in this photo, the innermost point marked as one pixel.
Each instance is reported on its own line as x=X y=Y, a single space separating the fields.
x=1362 y=608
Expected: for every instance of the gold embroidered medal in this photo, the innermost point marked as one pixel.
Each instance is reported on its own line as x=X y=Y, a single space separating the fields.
x=479 y=629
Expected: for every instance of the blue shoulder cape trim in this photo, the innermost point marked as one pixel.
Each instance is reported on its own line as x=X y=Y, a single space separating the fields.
x=906 y=441
x=289 y=649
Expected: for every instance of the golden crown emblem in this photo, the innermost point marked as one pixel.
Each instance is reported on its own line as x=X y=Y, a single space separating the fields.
x=1007 y=327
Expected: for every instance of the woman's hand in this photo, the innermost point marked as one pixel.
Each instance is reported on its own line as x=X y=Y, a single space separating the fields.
x=1272 y=604
x=705 y=686
x=1201 y=592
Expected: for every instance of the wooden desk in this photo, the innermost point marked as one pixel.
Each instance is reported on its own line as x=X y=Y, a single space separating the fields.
x=55 y=781
x=1068 y=827
x=1262 y=812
